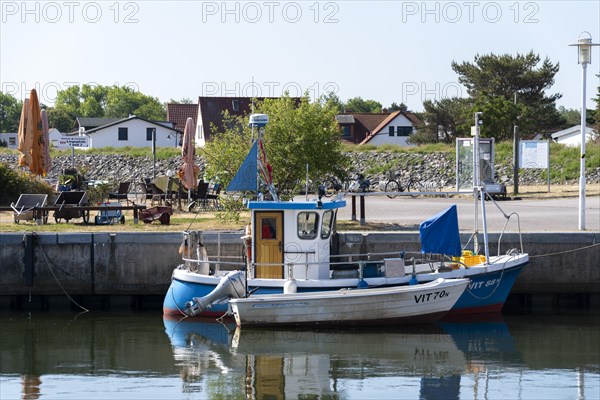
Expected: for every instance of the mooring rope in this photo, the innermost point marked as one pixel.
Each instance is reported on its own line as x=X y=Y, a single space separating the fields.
x=56 y=279
x=566 y=251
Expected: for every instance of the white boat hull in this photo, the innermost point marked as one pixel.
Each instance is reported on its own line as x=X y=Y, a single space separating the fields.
x=423 y=303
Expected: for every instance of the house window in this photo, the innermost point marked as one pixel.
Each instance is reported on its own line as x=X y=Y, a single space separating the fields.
x=345 y=130
x=404 y=130
x=12 y=141
x=391 y=130
x=123 y=134
x=236 y=105
x=149 y=132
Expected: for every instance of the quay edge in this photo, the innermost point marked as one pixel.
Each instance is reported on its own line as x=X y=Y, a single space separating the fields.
x=134 y=269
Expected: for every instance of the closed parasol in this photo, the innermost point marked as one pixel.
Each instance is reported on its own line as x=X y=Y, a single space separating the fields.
x=34 y=128
x=24 y=138
x=46 y=144
x=188 y=171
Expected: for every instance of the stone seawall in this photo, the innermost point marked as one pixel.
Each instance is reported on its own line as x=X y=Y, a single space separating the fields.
x=140 y=264
x=436 y=168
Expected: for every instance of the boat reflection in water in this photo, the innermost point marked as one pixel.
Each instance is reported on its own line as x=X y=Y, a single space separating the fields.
x=428 y=359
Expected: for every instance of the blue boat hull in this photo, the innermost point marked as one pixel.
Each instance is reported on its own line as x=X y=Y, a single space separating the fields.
x=487 y=292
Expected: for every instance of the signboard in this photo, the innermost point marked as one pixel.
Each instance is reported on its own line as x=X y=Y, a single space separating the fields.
x=534 y=154
x=72 y=141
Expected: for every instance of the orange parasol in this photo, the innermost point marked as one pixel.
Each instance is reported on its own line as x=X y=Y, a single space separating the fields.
x=24 y=138
x=46 y=144
x=188 y=171
x=34 y=128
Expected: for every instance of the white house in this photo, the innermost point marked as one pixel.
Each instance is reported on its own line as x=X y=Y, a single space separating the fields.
x=395 y=129
x=572 y=136
x=11 y=139
x=132 y=131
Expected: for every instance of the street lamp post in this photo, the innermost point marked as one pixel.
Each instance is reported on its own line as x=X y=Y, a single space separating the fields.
x=584 y=46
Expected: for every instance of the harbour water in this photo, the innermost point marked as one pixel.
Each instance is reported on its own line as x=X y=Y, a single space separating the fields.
x=544 y=354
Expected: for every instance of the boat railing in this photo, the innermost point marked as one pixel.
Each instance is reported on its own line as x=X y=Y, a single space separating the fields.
x=507 y=217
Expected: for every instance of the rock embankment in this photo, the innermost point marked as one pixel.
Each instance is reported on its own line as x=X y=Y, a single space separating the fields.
x=437 y=168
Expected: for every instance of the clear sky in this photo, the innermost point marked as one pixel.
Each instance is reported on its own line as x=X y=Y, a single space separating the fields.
x=389 y=51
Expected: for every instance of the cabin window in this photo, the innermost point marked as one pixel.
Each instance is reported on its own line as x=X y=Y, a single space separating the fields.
x=308 y=225
x=391 y=131
x=326 y=224
x=149 y=134
x=123 y=134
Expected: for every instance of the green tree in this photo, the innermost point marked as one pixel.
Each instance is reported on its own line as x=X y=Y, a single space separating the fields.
x=298 y=133
x=124 y=101
x=10 y=113
x=493 y=80
x=185 y=100
x=102 y=101
x=570 y=116
x=444 y=119
x=395 y=107
x=333 y=100
x=357 y=104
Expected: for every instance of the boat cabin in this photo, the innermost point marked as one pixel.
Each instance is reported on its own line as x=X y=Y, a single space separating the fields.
x=294 y=233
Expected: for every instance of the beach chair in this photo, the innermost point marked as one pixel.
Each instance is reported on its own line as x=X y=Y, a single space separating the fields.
x=198 y=196
x=25 y=205
x=121 y=193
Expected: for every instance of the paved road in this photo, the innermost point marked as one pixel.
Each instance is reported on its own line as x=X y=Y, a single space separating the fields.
x=536 y=215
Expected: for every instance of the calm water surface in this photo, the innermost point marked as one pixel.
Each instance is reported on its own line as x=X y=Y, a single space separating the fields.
x=97 y=355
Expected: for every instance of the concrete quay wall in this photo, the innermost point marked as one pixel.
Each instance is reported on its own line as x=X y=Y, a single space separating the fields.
x=140 y=264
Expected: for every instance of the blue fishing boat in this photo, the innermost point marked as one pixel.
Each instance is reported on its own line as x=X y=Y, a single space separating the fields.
x=287 y=249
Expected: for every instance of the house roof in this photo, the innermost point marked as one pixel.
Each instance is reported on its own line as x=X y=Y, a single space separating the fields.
x=179 y=113
x=344 y=119
x=90 y=122
x=570 y=131
x=164 y=124
x=411 y=117
x=381 y=125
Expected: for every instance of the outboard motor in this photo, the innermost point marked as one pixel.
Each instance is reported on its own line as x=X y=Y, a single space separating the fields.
x=231 y=286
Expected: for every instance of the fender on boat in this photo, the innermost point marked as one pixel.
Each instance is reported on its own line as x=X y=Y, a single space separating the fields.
x=231 y=286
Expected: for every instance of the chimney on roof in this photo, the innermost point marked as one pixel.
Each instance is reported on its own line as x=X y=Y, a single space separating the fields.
x=384 y=111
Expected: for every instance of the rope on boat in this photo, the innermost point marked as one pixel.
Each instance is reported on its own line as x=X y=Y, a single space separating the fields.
x=493 y=291
x=56 y=279
x=566 y=251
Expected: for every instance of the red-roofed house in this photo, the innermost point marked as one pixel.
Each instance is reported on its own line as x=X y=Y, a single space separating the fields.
x=210 y=113
x=377 y=128
x=179 y=113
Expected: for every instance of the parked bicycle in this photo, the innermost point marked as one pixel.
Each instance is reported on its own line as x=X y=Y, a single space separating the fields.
x=332 y=186
x=393 y=187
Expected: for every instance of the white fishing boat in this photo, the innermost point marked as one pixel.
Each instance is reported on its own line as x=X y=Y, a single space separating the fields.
x=422 y=303
x=288 y=247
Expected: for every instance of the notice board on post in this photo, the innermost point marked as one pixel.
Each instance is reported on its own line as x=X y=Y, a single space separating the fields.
x=535 y=154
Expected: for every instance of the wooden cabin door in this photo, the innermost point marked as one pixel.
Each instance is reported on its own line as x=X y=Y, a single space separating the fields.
x=269 y=244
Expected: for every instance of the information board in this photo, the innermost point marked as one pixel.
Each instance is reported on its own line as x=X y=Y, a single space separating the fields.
x=534 y=154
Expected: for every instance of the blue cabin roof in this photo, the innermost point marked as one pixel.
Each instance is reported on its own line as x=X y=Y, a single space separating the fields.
x=296 y=205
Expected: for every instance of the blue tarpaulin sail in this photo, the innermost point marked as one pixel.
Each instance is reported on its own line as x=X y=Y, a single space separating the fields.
x=245 y=179
x=439 y=234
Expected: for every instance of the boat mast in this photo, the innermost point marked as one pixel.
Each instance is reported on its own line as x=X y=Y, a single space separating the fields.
x=476 y=190
x=478 y=194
